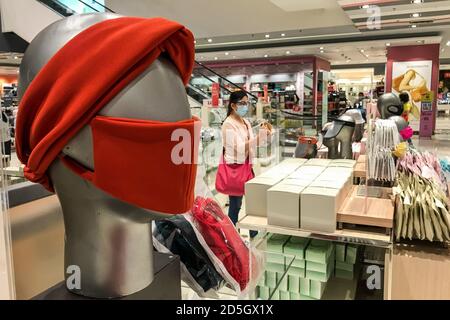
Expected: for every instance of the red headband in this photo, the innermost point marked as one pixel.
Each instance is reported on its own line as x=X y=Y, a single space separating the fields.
x=84 y=76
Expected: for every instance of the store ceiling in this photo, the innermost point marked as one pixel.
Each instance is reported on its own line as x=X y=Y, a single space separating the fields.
x=300 y=26
x=362 y=52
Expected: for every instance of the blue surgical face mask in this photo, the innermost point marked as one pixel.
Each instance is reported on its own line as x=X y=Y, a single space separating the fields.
x=242 y=110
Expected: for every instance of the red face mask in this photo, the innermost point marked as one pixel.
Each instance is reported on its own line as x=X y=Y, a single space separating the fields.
x=149 y=164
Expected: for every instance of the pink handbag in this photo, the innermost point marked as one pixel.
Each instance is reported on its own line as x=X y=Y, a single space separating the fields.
x=231 y=178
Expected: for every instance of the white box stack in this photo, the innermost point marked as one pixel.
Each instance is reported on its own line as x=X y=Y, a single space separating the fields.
x=256 y=189
x=308 y=197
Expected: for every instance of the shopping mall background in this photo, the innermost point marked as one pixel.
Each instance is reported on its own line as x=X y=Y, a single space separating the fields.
x=318 y=53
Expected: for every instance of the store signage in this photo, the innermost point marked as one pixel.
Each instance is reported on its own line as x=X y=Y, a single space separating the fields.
x=215 y=94
x=266 y=93
x=426 y=115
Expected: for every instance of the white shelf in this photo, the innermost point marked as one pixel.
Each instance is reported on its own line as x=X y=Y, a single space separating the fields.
x=369 y=238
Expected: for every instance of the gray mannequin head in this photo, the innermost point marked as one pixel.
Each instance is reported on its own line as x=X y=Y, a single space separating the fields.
x=389 y=105
x=109 y=240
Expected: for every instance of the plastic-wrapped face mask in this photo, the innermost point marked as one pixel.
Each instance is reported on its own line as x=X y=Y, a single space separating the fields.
x=400 y=150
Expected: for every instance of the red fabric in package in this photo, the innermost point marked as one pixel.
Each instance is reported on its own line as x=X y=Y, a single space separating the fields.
x=223 y=239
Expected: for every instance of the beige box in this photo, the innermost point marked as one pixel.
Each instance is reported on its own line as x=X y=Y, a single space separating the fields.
x=343 y=163
x=333 y=184
x=283 y=205
x=296 y=161
x=256 y=195
x=309 y=170
x=283 y=169
x=306 y=181
x=342 y=171
x=318 y=162
x=319 y=207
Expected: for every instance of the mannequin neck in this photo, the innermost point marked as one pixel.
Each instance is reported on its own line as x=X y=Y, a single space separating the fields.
x=108 y=240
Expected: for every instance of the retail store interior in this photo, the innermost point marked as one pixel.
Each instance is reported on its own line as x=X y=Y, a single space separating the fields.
x=349 y=194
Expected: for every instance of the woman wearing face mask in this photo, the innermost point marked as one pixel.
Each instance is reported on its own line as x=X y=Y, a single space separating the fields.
x=239 y=145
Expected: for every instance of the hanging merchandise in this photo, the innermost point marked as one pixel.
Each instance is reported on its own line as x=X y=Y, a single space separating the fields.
x=240 y=265
x=384 y=140
x=421 y=202
x=175 y=235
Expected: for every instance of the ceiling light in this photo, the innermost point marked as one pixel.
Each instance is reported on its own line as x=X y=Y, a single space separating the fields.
x=288 y=52
x=195 y=41
x=227 y=53
x=321 y=48
x=348 y=60
x=367 y=55
x=215 y=58
x=366 y=6
x=420 y=41
x=388 y=44
x=362 y=50
x=209 y=40
x=413 y=26
x=415 y=15
x=448 y=43
x=416 y=1
x=267 y=36
x=321 y=51
x=266 y=55
x=283 y=34
x=202 y=57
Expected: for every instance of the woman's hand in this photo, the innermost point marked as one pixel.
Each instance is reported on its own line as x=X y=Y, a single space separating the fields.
x=264 y=134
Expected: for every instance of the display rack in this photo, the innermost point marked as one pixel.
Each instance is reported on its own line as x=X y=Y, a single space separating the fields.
x=377 y=212
x=370 y=238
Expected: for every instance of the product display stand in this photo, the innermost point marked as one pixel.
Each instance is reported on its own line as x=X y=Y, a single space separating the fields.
x=166 y=284
x=379 y=213
x=371 y=238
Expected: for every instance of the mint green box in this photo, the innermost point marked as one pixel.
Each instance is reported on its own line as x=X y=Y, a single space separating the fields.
x=299 y=272
x=276 y=242
x=284 y=284
x=295 y=296
x=317 y=289
x=345 y=266
x=294 y=284
x=352 y=252
x=344 y=274
x=273 y=257
x=315 y=266
x=275 y=267
x=340 y=252
x=276 y=295
x=304 y=286
x=306 y=298
x=284 y=295
x=271 y=279
x=264 y=293
x=296 y=247
x=319 y=251
x=297 y=263
x=320 y=276
x=262 y=280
